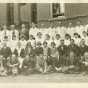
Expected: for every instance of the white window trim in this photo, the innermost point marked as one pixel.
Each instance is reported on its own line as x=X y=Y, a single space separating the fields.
x=62 y=10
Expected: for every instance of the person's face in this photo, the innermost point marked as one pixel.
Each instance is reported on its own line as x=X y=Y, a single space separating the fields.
x=33 y=25
x=39 y=45
x=23 y=25
x=84 y=34
x=22 y=39
x=76 y=36
x=52 y=45
x=72 y=42
x=78 y=23
x=12 y=27
x=62 y=42
x=67 y=37
x=82 y=42
x=45 y=45
x=57 y=37
x=14 y=38
x=70 y=24
x=86 y=55
x=39 y=35
x=29 y=44
x=47 y=37
x=59 y=23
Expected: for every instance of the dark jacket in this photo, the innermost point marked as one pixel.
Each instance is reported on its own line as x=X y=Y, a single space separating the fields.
x=31 y=53
x=38 y=51
x=6 y=52
x=73 y=48
x=83 y=50
x=22 y=53
x=62 y=50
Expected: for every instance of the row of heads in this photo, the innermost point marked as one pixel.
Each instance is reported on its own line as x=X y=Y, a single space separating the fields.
x=36 y=25
x=12 y=26
x=63 y=23
x=62 y=42
x=59 y=36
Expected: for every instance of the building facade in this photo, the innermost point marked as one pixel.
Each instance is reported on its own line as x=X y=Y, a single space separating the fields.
x=40 y=12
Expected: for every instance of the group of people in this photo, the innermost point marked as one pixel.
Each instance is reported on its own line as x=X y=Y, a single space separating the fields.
x=53 y=49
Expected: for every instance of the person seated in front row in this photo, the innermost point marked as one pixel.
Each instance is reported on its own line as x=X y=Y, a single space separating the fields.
x=3 y=71
x=31 y=53
x=46 y=56
x=13 y=65
x=5 y=52
x=72 y=58
x=53 y=60
x=83 y=50
x=20 y=53
x=73 y=52
x=28 y=65
x=62 y=50
x=39 y=57
x=84 y=64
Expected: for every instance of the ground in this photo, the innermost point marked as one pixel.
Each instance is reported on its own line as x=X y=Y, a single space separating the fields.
x=41 y=78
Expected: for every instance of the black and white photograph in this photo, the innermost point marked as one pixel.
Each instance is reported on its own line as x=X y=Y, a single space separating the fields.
x=43 y=42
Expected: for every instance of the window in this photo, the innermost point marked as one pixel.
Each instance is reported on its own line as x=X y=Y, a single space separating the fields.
x=58 y=9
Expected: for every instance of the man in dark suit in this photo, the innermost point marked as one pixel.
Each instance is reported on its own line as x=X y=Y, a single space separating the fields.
x=73 y=53
x=83 y=56
x=62 y=50
x=5 y=52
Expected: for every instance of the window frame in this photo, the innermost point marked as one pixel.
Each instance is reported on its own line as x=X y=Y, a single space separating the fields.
x=60 y=16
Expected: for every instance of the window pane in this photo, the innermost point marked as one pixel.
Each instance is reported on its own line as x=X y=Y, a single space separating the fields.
x=62 y=8
x=58 y=9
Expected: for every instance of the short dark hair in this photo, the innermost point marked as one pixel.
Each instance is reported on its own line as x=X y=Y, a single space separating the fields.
x=44 y=42
x=53 y=43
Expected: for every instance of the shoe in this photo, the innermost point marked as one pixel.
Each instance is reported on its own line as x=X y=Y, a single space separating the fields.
x=58 y=69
